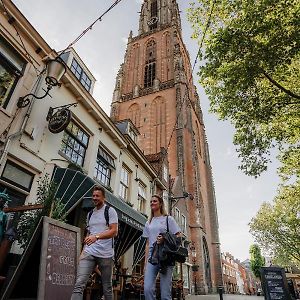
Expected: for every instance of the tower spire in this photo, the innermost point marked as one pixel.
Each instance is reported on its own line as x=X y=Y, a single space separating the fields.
x=157 y=14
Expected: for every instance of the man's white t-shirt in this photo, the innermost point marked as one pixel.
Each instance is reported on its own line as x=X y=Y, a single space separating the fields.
x=97 y=224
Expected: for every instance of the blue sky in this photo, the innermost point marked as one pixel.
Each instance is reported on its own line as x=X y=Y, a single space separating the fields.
x=102 y=49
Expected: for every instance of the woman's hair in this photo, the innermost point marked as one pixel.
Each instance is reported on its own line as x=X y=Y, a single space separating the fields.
x=162 y=207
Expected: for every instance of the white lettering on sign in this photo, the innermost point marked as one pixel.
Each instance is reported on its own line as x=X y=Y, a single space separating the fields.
x=62 y=279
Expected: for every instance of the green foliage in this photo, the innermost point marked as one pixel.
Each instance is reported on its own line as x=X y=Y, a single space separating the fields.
x=276 y=227
x=52 y=207
x=251 y=72
x=256 y=260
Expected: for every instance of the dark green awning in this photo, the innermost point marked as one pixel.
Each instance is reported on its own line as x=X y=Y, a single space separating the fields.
x=74 y=187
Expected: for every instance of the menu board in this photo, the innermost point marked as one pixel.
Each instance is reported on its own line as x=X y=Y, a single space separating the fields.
x=47 y=269
x=59 y=264
x=274 y=283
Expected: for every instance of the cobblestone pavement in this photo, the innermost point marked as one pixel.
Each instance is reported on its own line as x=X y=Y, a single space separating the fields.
x=225 y=297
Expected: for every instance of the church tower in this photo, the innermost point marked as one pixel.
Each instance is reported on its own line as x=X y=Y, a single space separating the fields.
x=154 y=89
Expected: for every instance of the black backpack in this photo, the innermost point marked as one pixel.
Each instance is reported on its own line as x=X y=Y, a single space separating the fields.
x=106 y=216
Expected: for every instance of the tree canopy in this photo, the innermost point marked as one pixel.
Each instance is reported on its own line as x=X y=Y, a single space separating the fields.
x=256 y=260
x=251 y=74
x=276 y=227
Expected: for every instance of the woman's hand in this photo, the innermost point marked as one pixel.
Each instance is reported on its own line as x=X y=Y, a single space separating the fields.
x=89 y=240
x=159 y=239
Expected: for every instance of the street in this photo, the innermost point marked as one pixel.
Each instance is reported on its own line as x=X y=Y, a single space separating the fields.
x=225 y=297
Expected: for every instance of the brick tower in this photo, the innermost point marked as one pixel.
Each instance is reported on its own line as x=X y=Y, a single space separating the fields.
x=154 y=90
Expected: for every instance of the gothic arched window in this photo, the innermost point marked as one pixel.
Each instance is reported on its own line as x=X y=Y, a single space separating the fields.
x=150 y=67
x=158 y=125
x=134 y=114
x=207 y=270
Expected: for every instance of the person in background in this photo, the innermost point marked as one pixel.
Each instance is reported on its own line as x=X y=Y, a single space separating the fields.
x=98 y=247
x=3 y=216
x=156 y=225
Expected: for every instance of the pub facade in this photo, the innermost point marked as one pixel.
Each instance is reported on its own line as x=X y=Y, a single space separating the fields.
x=62 y=132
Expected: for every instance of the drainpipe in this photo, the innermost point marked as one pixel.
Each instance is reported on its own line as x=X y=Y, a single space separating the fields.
x=23 y=125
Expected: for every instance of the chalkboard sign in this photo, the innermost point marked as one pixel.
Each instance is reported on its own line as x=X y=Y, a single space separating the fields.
x=274 y=283
x=47 y=269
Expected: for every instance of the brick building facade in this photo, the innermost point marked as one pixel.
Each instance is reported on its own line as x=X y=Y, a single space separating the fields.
x=154 y=89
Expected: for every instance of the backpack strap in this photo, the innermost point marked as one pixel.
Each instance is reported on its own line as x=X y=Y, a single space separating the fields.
x=106 y=214
x=167 y=223
x=89 y=217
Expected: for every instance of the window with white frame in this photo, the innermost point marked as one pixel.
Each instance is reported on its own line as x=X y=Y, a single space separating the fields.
x=185 y=275
x=177 y=215
x=81 y=75
x=165 y=173
x=11 y=69
x=132 y=134
x=141 y=197
x=183 y=224
x=104 y=165
x=124 y=183
x=74 y=143
x=17 y=176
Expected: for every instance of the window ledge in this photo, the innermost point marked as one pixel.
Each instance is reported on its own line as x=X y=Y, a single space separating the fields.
x=3 y=110
x=71 y=162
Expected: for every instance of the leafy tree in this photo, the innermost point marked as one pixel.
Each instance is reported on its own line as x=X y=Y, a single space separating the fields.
x=251 y=72
x=256 y=260
x=276 y=227
x=52 y=207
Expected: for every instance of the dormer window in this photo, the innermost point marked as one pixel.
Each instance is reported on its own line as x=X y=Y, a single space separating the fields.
x=132 y=134
x=81 y=75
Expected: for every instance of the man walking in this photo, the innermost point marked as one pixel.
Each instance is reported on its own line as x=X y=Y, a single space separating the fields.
x=98 y=250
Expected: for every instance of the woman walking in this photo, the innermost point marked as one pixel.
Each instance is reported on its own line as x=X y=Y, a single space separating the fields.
x=158 y=223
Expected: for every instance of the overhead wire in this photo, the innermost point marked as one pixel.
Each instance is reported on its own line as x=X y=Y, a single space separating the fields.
x=90 y=27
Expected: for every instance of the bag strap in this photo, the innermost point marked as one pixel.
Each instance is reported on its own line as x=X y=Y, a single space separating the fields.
x=89 y=217
x=106 y=215
x=167 y=223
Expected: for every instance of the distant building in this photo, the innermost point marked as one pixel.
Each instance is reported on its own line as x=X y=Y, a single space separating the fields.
x=229 y=274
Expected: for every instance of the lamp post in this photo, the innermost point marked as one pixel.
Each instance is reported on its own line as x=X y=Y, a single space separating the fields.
x=177 y=198
x=194 y=266
x=55 y=70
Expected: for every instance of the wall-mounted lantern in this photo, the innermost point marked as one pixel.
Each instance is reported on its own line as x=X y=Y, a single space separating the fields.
x=56 y=68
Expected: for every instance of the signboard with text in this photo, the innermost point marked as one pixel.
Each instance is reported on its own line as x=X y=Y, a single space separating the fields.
x=47 y=269
x=274 y=283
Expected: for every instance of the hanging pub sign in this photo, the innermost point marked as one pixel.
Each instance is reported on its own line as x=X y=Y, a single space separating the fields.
x=60 y=119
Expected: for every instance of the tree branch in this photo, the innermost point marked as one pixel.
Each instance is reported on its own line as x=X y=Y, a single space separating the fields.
x=290 y=93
